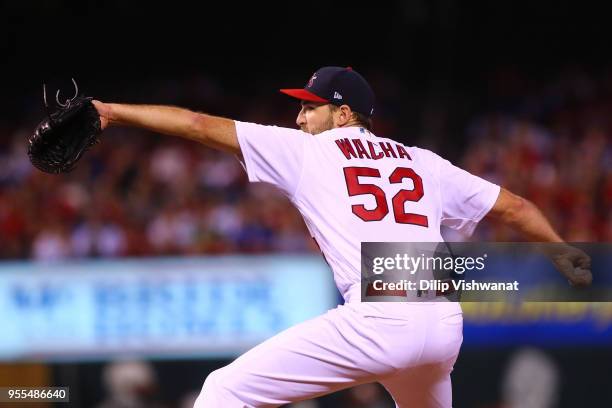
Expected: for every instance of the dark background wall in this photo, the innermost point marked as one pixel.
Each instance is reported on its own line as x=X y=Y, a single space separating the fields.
x=444 y=56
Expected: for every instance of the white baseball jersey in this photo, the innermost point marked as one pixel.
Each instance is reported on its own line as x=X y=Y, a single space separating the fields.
x=352 y=186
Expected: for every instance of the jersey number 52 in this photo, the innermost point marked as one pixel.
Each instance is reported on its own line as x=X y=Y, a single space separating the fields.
x=354 y=187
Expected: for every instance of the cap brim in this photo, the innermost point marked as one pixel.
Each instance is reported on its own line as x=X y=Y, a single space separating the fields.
x=303 y=95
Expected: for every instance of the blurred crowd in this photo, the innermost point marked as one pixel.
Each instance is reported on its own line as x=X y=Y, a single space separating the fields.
x=134 y=198
x=562 y=164
x=140 y=194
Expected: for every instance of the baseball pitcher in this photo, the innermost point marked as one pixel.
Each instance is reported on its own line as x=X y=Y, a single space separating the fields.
x=351 y=185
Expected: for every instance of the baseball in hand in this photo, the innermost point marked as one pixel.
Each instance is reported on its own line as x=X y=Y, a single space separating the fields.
x=581 y=274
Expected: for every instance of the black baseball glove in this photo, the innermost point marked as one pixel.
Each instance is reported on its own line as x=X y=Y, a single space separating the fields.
x=60 y=140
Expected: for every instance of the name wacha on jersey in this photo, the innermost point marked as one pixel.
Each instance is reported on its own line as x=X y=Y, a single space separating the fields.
x=355 y=148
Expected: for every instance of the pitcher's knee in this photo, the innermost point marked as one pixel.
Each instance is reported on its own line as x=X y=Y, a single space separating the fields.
x=215 y=393
x=212 y=382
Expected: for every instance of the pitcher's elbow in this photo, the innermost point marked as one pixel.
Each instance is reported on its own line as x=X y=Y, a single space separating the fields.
x=517 y=209
x=199 y=127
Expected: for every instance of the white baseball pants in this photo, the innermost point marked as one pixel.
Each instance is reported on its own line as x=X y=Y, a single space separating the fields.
x=410 y=348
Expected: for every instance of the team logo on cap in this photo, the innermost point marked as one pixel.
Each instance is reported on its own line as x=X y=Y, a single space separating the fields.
x=312 y=80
